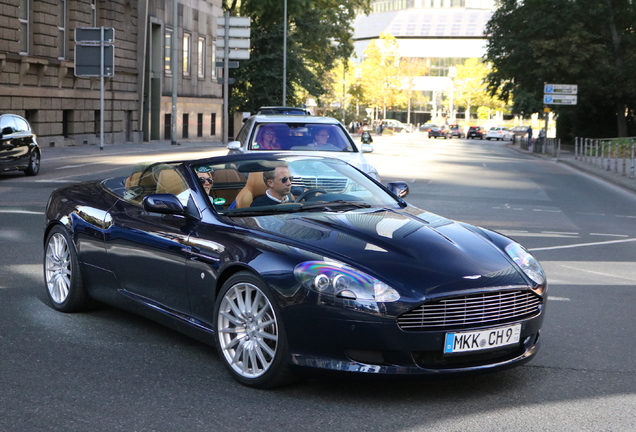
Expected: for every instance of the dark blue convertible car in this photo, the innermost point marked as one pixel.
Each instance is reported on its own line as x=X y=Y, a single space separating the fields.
x=347 y=276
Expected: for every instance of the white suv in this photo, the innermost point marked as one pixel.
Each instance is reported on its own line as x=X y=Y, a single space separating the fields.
x=323 y=136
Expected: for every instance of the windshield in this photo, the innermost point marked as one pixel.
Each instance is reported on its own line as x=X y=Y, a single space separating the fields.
x=298 y=136
x=300 y=183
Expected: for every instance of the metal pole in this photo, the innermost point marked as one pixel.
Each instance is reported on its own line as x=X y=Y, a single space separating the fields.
x=173 y=66
x=344 y=84
x=101 y=90
x=285 y=53
x=226 y=79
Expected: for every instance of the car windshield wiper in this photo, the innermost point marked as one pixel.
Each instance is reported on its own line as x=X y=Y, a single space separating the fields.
x=339 y=205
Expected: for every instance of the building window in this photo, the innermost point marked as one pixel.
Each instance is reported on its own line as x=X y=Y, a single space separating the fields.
x=24 y=17
x=167 y=52
x=94 y=13
x=200 y=125
x=167 y=126
x=213 y=122
x=213 y=63
x=184 y=127
x=186 y=54
x=61 y=29
x=201 y=58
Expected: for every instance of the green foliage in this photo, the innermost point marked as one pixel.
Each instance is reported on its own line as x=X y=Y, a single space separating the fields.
x=591 y=43
x=318 y=33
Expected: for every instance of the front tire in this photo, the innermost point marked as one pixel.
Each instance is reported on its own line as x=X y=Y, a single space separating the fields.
x=250 y=336
x=64 y=283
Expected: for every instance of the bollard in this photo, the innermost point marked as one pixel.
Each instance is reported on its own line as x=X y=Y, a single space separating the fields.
x=631 y=174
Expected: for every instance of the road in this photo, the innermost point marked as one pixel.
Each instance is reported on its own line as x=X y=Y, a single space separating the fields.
x=108 y=370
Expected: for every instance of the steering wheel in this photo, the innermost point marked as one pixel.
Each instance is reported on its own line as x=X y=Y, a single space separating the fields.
x=310 y=193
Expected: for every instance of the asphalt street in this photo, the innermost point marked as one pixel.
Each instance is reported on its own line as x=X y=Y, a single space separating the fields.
x=108 y=370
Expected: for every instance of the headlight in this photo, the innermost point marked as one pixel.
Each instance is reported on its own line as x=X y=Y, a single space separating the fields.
x=526 y=262
x=343 y=281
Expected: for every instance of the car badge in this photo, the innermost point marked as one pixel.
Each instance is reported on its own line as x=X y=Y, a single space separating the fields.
x=473 y=277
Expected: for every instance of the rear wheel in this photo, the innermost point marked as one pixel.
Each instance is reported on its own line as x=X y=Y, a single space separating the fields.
x=249 y=333
x=64 y=284
x=34 y=164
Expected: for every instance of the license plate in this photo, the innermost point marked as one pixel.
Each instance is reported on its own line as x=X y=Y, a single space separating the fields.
x=482 y=340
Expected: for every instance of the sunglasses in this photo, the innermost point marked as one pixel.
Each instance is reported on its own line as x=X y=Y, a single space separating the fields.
x=284 y=179
x=205 y=180
x=323 y=135
x=268 y=133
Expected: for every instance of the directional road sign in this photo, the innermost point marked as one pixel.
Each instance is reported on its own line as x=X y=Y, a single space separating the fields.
x=556 y=99
x=560 y=89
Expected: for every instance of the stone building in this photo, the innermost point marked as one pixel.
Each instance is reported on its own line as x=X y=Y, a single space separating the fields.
x=38 y=77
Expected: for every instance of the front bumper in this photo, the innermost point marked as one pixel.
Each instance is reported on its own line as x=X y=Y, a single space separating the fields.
x=383 y=348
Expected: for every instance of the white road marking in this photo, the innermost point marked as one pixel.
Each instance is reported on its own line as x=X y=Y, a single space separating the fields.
x=21 y=212
x=609 y=235
x=552 y=298
x=584 y=245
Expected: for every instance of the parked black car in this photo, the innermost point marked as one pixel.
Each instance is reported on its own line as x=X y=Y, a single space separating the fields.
x=456 y=131
x=475 y=132
x=19 y=149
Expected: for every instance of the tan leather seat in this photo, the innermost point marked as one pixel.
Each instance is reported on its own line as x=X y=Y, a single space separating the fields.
x=227 y=184
x=254 y=187
x=170 y=182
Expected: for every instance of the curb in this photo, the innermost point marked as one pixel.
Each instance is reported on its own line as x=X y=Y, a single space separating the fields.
x=617 y=179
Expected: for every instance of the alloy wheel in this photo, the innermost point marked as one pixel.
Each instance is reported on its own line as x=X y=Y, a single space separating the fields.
x=58 y=268
x=247 y=330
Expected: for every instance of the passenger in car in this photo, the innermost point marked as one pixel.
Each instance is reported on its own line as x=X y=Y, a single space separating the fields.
x=279 y=183
x=266 y=139
x=205 y=177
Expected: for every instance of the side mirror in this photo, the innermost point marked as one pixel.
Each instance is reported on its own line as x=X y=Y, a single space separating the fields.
x=399 y=188
x=234 y=145
x=367 y=148
x=163 y=203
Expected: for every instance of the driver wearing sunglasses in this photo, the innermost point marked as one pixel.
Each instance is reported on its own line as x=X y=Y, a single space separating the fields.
x=279 y=183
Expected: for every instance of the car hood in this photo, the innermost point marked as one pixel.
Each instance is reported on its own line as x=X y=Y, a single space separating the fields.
x=419 y=254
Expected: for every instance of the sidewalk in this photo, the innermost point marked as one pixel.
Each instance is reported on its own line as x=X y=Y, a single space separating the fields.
x=567 y=157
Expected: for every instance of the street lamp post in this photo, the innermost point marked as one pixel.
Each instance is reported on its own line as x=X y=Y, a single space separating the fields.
x=285 y=53
x=452 y=73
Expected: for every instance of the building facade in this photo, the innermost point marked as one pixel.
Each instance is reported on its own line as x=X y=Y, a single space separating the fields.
x=445 y=33
x=38 y=70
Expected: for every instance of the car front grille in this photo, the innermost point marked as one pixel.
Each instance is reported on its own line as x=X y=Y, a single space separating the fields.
x=330 y=184
x=497 y=307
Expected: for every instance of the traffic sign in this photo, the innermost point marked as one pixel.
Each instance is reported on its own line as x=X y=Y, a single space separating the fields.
x=551 y=99
x=234 y=54
x=231 y=64
x=88 y=59
x=94 y=35
x=561 y=89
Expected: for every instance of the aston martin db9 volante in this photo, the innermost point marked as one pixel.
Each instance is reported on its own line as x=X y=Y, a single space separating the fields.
x=344 y=275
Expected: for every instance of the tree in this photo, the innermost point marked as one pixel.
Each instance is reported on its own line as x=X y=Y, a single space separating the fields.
x=319 y=33
x=380 y=77
x=590 y=43
x=470 y=85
